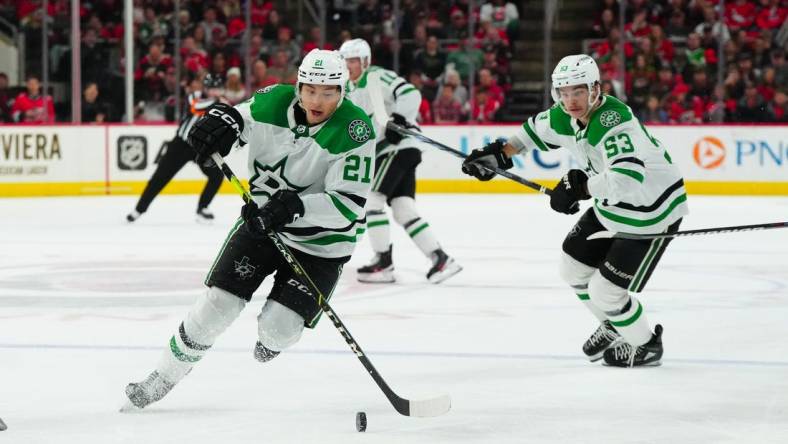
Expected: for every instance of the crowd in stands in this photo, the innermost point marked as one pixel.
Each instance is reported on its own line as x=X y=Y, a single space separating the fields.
x=437 y=51
x=676 y=50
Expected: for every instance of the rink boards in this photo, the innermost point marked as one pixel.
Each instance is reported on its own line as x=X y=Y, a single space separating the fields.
x=119 y=159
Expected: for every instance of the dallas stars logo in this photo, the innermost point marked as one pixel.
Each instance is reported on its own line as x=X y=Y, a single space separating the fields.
x=610 y=118
x=244 y=269
x=267 y=180
x=359 y=131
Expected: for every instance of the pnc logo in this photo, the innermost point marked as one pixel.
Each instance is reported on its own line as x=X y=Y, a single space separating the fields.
x=709 y=152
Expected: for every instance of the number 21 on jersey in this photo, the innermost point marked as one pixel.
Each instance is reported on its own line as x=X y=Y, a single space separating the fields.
x=353 y=164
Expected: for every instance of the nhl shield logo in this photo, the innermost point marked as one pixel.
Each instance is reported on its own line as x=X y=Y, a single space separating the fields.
x=132 y=153
x=359 y=131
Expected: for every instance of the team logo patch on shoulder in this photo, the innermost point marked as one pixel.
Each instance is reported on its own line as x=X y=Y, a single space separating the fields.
x=266 y=90
x=359 y=131
x=610 y=118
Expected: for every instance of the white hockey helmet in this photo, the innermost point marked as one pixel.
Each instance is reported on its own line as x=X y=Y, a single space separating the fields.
x=579 y=69
x=357 y=48
x=322 y=67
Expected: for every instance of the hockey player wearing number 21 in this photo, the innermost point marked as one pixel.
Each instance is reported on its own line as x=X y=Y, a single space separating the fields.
x=310 y=161
x=635 y=187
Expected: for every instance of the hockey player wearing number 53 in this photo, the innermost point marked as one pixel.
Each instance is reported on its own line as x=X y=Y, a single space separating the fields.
x=636 y=188
x=385 y=96
x=311 y=161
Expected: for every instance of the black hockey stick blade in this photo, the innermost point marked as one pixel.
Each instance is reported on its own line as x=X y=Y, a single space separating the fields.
x=700 y=232
x=2 y=426
x=421 y=408
x=417 y=135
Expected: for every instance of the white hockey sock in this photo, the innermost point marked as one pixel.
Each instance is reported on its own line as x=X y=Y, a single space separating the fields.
x=586 y=300
x=379 y=230
x=631 y=322
x=404 y=209
x=208 y=318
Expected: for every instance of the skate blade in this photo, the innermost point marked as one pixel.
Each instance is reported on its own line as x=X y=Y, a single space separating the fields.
x=446 y=273
x=376 y=278
x=128 y=407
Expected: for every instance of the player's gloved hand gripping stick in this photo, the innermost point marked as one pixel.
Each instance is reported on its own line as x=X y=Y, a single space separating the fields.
x=422 y=408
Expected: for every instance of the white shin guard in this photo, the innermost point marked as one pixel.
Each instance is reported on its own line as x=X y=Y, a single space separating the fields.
x=278 y=327
x=404 y=210
x=624 y=311
x=578 y=275
x=208 y=318
x=377 y=222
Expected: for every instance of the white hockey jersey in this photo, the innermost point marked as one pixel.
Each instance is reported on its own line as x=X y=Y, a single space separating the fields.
x=381 y=93
x=634 y=183
x=329 y=165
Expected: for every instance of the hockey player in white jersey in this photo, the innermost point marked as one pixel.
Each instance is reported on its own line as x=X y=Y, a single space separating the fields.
x=384 y=95
x=310 y=160
x=636 y=188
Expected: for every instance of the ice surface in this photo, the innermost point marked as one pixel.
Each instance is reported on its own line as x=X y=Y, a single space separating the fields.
x=88 y=302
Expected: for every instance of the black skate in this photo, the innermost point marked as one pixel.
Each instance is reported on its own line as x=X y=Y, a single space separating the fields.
x=134 y=215
x=381 y=270
x=152 y=389
x=648 y=354
x=603 y=338
x=204 y=216
x=443 y=267
x=263 y=353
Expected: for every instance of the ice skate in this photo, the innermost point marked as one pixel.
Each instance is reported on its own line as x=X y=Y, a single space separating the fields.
x=443 y=267
x=603 y=338
x=263 y=353
x=204 y=216
x=626 y=355
x=142 y=394
x=381 y=270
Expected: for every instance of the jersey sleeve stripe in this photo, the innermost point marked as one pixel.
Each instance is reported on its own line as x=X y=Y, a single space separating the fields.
x=634 y=160
x=346 y=212
x=642 y=222
x=633 y=174
x=396 y=88
x=335 y=238
x=315 y=230
x=532 y=134
x=657 y=203
x=408 y=90
x=358 y=200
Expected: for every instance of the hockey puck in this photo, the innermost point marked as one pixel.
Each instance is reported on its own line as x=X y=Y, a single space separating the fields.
x=3 y=426
x=361 y=421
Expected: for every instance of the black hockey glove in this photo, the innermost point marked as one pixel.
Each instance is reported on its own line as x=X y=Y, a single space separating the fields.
x=491 y=156
x=215 y=132
x=392 y=136
x=571 y=189
x=283 y=208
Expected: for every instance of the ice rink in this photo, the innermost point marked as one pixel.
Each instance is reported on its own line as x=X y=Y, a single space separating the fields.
x=88 y=303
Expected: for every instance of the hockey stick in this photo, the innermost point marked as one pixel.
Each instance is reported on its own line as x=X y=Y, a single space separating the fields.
x=421 y=408
x=460 y=154
x=734 y=229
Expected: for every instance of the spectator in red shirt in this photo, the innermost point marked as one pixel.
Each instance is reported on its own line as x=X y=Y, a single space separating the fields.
x=639 y=27
x=487 y=81
x=32 y=107
x=260 y=11
x=772 y=15
x=446 y=108
x=483 y=106
x=313 y=42
x=193 y=58
x=740 y=14
x=778 y=107
x=260 y=76
x=662 y=46
x=151 y=71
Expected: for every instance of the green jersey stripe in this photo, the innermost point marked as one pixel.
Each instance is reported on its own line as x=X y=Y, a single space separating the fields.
x=407 y=90
x=633 y=174
x=533 y=136
x=333 y=238
x=349 y=215
x=641 y=222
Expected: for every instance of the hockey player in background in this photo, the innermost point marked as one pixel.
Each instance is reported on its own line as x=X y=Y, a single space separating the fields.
x=636 y=189
x=384 y=95
x=178 y=153
x=310 y=161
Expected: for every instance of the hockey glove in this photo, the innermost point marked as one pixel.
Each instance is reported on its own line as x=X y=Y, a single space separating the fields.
x=571 y=189
x=215 y=132
x=283 y=208
x=491 y=156
x=392 y=136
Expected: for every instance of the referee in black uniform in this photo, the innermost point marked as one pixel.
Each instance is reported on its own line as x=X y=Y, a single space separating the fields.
x=178 y=153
